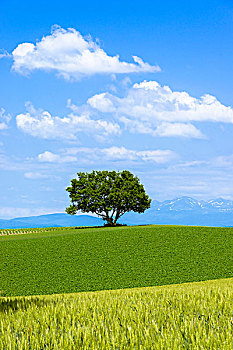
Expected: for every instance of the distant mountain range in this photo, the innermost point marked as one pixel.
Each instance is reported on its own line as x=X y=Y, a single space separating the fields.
x=188 y=203
x=186 y=211
x=179 y=211
x=51 y=220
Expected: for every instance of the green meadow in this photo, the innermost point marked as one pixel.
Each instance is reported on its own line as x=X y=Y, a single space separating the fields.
x=186 y=316
x=70 y=260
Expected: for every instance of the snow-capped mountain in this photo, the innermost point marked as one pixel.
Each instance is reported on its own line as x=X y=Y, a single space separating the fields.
x=188 y=203
x=185 y=211
x=220 y=204
x=182 y=203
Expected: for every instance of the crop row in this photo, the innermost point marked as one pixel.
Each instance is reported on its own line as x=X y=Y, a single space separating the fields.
x=189 y=316
x=17 y=231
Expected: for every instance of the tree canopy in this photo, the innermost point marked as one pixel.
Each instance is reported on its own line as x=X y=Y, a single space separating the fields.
x=109 y=194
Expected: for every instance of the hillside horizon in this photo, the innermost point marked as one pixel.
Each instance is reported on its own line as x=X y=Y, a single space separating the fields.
x=179 y=211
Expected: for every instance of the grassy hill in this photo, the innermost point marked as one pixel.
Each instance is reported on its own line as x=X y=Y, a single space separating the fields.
x=69 y=260
x=185 y=316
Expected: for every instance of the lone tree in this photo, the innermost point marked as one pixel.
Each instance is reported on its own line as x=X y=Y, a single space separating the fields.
x=109 y=194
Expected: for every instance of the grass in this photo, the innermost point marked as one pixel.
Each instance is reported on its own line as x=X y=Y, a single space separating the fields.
x=66 y=261
x=186 y=316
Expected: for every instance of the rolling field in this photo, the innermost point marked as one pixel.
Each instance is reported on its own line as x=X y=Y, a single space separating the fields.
x=70 y=260
x=186 y=316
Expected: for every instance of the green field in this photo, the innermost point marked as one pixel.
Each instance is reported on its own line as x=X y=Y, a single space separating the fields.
x=70 y=260
x=188 y=316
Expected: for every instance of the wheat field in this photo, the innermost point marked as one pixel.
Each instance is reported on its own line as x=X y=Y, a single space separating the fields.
x=187 y=316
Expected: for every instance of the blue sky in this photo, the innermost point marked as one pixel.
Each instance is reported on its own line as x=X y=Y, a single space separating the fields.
x=144 y=86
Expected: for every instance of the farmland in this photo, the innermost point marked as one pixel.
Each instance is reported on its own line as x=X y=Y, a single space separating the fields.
x=185 y=316
x=70 y=260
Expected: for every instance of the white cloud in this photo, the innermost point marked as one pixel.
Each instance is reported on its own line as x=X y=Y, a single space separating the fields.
x=55 y=158
x=147 y=108
x=150 y=108
x=167 y=105
x=42 y=124
x=102 y=103
x=137 y=126
x=48 y=157
x=101 y=155
x=4 y=119
x=122 y=153
x=178 y=129
x=164 y=129
x=71 y=55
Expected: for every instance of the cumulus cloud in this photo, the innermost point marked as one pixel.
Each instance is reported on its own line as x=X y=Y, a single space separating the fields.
x=55 y=158
x=72 y=56
x=4 y=119
x=150 y=108
x=146 y=108
x=102 y=103
x=42 y=124
x=164 y=129
x=178 y=129
x=115 y=154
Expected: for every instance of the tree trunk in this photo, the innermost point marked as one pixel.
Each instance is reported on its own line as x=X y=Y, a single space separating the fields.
x=116 y=218
x=110 y=221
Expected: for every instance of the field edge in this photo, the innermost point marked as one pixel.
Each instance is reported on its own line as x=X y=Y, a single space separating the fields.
x=215 y=283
